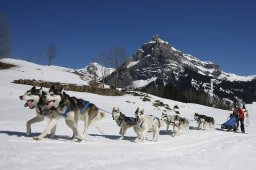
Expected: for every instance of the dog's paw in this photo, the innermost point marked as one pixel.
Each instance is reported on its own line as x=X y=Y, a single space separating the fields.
x=77 y=140
x=121 y=138
x=37 y=138
x=50 y=136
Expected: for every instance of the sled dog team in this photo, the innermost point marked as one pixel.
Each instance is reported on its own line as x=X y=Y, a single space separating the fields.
x=55 y=104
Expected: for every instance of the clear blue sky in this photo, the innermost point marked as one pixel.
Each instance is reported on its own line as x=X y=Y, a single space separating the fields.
x=222 y=31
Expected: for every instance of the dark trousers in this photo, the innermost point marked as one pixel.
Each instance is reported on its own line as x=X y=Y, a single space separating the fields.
x=241 y=120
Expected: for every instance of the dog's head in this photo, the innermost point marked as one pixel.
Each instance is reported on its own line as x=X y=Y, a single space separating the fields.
x=115 y=113
x=54 y=96
x=164 y=117
x=177 y=119
x=139 y=114
x=32 y=97
x=196 y=115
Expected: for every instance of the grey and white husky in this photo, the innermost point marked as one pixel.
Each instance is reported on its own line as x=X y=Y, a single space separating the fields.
x=72 y=109
x=181 y=123
x=203 y=120
x=169 y=120
x=146 y=123
x=33 y=99
x=123 y=121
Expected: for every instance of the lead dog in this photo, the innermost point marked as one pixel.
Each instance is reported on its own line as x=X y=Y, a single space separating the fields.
x=202 y=120
x=146 y=123
x=72 y=109
x=33 y=98
x=123 y=121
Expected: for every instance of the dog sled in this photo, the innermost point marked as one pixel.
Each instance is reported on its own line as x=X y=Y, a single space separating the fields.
x=230 y=124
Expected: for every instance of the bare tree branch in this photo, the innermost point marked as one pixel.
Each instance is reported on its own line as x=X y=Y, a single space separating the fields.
x=5 y=45
x=51 y=53
x=114 y=57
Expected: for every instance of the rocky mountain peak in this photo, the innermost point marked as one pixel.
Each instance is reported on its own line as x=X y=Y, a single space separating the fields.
x=160 y=69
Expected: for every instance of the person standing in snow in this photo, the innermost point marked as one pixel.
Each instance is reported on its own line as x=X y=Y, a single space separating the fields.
x=240 y=114
x=247 y=121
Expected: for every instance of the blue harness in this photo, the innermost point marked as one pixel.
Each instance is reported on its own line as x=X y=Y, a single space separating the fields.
x=133 y=120
x=86 y=105
x=67 y=109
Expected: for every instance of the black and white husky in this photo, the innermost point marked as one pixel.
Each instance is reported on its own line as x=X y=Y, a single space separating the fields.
x=33 y=98
x=123 y=121
x=203 y=120
x=146 y=123
x=72 y=109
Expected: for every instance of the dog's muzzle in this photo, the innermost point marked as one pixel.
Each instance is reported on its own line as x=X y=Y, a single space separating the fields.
x=30 y=104
x=137 y=119
x=49 y=104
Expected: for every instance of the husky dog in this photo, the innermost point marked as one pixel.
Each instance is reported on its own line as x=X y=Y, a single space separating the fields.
x=202 y=120
x=169 y=120
x=181 y=123
x=123 y=121
x=33 y=99
x=146 y=123
x=72 y=109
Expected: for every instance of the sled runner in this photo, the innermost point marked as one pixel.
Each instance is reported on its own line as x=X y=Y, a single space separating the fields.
x=230 y=124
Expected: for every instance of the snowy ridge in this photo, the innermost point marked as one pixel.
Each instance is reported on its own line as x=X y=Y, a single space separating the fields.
x=95 y=70
x=234 y=77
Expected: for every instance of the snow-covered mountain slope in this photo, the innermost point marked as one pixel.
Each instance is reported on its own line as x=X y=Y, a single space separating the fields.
x=95 y=70
x=198 y=149
x=59 y=74
x=28 y=70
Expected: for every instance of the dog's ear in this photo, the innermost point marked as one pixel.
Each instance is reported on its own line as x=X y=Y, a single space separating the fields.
x=44 y=93
x=41 y=92
x=142 y=111
x=117 y=109
x=137 y=110
x=61 y=89
x=33 y=88
x=113 y=109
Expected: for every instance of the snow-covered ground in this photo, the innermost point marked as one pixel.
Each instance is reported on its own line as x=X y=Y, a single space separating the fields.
x=212 y=149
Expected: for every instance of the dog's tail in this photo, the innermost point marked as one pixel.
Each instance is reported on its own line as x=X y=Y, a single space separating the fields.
x=160 y=123
x=103 y=115
x=213 y=122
